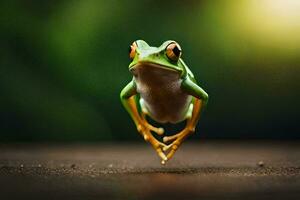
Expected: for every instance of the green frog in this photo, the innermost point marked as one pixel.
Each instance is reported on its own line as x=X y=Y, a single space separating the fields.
x=164 y=89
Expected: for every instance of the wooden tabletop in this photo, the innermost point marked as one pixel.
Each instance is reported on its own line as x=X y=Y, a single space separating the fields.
x=247 y=169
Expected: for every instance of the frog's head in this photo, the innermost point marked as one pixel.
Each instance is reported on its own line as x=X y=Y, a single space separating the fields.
x=167 y=56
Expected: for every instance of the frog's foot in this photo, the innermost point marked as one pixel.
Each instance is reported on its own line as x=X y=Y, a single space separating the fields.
x=158 y=146
x=174 y=144
x=170 y=138
x=159 y=131
x=173 y=147
x=178 y=139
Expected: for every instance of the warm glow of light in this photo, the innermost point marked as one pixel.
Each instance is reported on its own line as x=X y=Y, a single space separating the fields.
x=272 y=22
x=279 y=13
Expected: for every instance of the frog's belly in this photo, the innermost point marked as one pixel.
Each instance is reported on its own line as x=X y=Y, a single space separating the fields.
x=161 y=93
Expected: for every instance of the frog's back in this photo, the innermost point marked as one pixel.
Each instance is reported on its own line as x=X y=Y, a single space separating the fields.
x=161 y=93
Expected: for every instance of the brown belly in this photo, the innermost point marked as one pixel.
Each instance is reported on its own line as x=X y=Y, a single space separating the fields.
x=161 y=92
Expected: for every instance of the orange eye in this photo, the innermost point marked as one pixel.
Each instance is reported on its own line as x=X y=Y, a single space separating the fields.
x=173 y=51
x=132 y=50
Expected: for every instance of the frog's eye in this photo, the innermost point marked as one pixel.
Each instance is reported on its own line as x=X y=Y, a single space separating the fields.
x=132 y=50
x=173 y=51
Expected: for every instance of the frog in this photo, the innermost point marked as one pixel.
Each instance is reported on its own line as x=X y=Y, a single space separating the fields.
x=164 y=89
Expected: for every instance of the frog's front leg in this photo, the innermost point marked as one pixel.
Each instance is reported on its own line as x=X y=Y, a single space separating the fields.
x=200 y=100
x=128 y=100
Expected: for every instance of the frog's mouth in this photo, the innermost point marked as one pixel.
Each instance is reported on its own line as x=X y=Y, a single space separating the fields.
x=150 y=64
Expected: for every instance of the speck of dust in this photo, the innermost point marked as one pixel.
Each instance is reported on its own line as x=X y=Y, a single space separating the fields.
x=260 y=163
x=73 y=166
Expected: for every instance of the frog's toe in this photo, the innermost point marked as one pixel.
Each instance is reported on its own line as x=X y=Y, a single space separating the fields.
x=146 y=137
x=159 y=131
x=166 y=139
x=167 y=147
x=172 y=151
x=161 y=154
x=169 y=138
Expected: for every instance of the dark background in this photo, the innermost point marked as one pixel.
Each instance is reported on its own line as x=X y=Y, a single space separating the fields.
x=64 y=63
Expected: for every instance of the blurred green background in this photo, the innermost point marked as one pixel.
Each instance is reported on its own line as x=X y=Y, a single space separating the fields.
x=63 y=64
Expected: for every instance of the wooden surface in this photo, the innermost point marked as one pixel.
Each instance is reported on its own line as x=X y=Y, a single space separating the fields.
x=200 y=170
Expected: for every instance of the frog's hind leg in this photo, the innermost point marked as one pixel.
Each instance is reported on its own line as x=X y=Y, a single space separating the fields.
x=189 y=129
x=128 y=99
x=145 y=112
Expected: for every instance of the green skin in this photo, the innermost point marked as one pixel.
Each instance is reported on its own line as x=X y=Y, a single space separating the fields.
x=186 y=89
